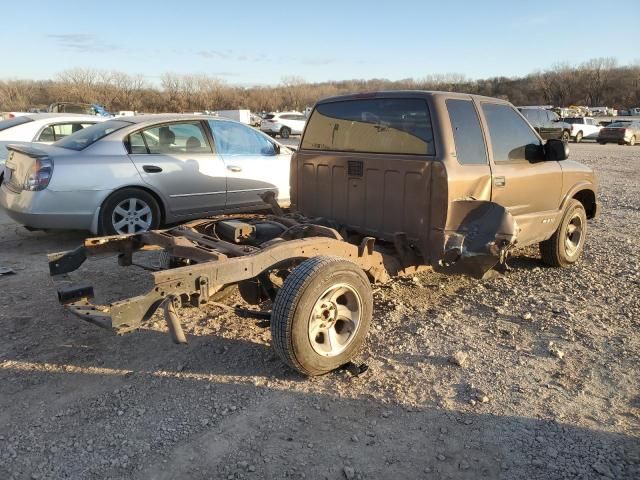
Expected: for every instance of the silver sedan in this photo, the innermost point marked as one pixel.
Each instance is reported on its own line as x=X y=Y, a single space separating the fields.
x=133 y=174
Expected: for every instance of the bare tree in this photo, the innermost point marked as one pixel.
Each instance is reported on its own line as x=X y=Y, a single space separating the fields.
x=595 y=75
x=597 y=82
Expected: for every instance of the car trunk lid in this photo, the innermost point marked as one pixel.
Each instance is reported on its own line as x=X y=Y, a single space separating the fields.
x=21 y=158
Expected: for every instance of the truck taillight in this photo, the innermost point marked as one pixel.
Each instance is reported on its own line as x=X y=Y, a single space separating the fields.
x=11 y=115
x=39 y=174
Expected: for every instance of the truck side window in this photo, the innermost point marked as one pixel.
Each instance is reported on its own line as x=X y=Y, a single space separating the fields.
x=384 y=125
x=512 y=139
x=470 y=148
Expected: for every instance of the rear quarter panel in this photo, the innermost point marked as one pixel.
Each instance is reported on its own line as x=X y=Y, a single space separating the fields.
x=102 y=166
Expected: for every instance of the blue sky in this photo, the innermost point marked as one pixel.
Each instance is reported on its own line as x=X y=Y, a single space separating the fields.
x=259 y=42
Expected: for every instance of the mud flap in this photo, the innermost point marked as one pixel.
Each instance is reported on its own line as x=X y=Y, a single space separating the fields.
x=478 y=236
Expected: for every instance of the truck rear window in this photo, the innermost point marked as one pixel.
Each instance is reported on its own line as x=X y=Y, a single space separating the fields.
x=380 y=125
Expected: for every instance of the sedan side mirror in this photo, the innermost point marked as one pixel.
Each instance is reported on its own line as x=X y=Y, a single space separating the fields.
x=556 y=150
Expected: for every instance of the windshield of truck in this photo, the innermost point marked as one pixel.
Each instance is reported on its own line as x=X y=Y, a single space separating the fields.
x=88 y=136
x=379 y=125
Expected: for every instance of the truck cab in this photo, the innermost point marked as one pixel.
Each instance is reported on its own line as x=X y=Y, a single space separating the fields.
x=441 y=169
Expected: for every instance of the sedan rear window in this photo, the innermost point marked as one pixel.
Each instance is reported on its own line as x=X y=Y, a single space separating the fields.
x=88 y=136
x=381 y=125
x=13 y=122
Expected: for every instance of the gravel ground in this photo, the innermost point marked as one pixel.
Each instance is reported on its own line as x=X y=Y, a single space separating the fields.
x=531 y=375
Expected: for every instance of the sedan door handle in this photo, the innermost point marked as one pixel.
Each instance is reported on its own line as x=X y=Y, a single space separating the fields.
x=234 y=168
x=499 y=181
x=151 y=168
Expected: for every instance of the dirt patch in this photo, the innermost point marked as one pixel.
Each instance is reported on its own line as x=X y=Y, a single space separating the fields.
x=529 y=375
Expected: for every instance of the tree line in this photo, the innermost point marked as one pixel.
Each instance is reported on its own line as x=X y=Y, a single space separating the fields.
x=597 y=82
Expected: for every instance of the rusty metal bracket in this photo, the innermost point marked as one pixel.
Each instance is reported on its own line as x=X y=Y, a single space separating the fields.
x=65 y=262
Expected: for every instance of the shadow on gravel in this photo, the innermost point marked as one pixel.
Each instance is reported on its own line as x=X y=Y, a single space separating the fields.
x=525 y=261
x=144 y=351
x=210 y=428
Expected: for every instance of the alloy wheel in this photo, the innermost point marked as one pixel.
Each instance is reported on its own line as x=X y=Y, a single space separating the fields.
x=574 y=235
x=335 y=318
x=132 y=215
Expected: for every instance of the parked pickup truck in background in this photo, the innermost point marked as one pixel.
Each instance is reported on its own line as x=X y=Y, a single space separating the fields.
x=383 y=184
x=547 y=123
x=583 y=127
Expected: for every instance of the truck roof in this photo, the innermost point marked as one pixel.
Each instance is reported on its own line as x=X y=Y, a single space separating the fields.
x=407 y=93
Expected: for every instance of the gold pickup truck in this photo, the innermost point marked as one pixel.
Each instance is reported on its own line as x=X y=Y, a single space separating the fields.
x=383 y=184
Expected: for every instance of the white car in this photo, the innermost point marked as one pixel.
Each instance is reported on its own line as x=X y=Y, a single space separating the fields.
x=41 y=128
x=583 y=127
x=283 y=124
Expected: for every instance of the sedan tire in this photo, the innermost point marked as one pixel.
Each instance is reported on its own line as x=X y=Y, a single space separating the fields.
x=578 y=138
x=285 y=132
x=129 y=210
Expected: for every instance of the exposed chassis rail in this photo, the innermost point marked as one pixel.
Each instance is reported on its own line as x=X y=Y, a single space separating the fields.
x=219 y=263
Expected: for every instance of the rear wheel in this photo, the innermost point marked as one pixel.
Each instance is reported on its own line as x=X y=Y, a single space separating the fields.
x=565 y=246
x=285 y=132
x=578 y=138
x=129 y=210
x=566 y=136
x=321 y=315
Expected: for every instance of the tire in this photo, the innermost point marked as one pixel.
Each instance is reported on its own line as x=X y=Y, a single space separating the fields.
x=602 y=143
x=285 y=132
x=310 y=300
x=117 y=208
x=565 y=246
x=632 y=140
x=566 y=136
x=578 y=138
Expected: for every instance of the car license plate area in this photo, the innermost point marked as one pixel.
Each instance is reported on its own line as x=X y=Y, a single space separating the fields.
x=8 y=173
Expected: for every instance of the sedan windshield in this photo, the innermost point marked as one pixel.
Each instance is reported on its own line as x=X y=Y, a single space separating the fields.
x=88 y=136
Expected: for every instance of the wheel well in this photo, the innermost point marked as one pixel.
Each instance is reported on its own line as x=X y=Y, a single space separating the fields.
x=157 y=198
x=588 y=200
